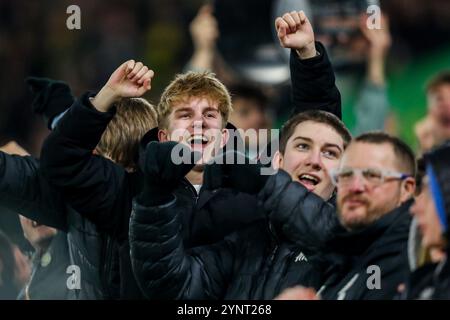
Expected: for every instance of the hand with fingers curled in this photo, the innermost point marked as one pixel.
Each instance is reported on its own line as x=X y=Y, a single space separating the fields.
x=295 y=32
x=380 y=40
x=130 y=80
x=204 y=29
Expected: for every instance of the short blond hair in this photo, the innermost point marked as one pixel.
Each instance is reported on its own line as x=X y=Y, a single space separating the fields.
x=194 y=84
x=120 y=142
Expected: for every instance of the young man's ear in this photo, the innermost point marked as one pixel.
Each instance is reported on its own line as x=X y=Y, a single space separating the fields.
x=408 y=189
x=277 y=161
x=225 y=137
x=162 y=135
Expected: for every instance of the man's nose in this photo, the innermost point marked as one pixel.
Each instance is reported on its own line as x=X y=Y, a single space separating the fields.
x=198 y=123
x=315 y=160
x=357 y=183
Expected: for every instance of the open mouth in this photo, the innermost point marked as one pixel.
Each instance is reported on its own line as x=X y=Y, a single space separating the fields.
x=309 y=180
x=197 y=140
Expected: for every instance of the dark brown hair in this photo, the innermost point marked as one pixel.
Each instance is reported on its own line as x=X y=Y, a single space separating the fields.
x=405 y=155
x=438 y=80
x=316 y=116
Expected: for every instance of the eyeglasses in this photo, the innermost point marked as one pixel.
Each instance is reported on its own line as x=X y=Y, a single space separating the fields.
x=373 y=177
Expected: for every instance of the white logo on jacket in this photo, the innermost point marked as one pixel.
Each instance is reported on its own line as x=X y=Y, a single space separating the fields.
x=301 y=257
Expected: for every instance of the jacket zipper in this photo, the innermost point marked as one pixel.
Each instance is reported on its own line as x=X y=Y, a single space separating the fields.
x=191 y=188
x=269 y=264
x=268 y=268
x=107 y=268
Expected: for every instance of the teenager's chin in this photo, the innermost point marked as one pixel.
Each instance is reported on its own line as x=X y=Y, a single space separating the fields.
x=199 y=167
x=205 y=158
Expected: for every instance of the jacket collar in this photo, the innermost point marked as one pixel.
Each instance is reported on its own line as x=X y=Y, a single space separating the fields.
x=360 y=241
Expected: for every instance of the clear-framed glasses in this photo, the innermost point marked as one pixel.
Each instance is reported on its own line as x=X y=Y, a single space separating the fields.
x=372 y=176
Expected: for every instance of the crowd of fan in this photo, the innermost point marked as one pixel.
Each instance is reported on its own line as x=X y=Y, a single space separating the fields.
x=111 y=214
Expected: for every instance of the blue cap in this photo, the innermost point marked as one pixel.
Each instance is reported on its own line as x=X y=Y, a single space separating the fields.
x=437 y=197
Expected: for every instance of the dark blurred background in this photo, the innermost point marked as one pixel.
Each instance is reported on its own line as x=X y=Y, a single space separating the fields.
x=34 y=40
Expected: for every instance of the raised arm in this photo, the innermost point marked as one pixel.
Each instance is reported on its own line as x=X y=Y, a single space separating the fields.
x=91 y=184
x=312 y=76
x=372 y=106
x=24 y=191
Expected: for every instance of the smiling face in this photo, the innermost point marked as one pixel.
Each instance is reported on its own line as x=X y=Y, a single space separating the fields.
x=311 y=151
x=197 y=123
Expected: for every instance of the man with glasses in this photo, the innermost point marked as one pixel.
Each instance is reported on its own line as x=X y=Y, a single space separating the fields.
x=376 y=176
x=367 y=259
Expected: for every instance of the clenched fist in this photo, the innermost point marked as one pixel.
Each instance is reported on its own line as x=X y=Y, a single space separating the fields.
x=204 y=29
x=132 y=79
x=295 y=32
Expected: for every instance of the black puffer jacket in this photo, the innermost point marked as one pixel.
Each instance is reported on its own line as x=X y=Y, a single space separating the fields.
x=294 y=211
x=313 y=84
x=358 y=261
x=257 y=262
x=344 y=256
x=102 y=192
x=165 y=268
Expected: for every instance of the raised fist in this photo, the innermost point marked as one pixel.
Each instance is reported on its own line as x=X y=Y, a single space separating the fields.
x=130 y=80
x=295 y=32
x=204 y=30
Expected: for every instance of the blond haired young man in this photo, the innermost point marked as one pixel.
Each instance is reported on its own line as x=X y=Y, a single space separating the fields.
x=78 y=241
x=195 y=104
